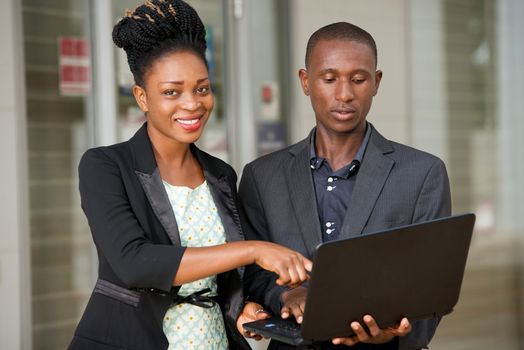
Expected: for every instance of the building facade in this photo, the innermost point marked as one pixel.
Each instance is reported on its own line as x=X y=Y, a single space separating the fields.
x=453 y=85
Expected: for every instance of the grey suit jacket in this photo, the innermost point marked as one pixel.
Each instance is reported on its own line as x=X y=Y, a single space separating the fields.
x=395 y=185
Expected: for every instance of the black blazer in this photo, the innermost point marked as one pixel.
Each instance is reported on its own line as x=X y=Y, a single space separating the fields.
x=138 y=245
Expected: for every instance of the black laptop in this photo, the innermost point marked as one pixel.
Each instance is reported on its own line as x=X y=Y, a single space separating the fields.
x=413 y=271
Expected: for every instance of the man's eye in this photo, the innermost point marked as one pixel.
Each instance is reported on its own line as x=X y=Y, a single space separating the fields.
x=358 y=80
x=329 y=80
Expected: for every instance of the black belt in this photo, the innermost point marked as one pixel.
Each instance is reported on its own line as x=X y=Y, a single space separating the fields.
x=197 y=299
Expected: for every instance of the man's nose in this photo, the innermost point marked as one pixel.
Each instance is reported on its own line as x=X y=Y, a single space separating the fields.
x=344 y=91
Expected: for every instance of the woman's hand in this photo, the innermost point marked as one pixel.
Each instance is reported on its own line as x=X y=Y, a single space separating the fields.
x=251 y=312
x=289 y=265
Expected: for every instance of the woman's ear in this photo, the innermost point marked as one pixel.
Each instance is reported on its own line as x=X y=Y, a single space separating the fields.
x=140 y=97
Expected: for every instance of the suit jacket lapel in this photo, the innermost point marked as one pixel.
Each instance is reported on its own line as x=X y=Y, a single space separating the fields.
x=151 y=182
x=302 y=195
x=371 y=178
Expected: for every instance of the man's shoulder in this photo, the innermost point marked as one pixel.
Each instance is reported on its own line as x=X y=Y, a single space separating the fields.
x=400 y=151
x=406 y=151
x=278 y=158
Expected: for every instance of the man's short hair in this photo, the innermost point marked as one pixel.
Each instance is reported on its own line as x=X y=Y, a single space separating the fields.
x=340 y=31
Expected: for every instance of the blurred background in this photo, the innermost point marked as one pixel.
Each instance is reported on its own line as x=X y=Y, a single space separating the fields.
x=453 y=85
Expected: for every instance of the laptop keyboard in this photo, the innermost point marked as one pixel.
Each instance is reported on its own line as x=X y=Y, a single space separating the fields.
x=288 y=328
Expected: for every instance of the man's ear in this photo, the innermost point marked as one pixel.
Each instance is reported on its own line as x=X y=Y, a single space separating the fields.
x=302 y=74
x=378 y=79
x=140 y=97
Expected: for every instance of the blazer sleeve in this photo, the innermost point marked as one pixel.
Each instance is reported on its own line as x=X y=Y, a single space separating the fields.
x=116 y=231
x=260 y=285
x=433 y=202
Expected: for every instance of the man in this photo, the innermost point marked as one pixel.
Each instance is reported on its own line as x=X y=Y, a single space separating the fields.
x=345 y=179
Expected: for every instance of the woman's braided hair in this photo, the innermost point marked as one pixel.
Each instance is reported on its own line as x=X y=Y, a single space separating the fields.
x=156 y=28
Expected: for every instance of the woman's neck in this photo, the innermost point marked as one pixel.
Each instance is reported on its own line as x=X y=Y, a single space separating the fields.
x=177 y=164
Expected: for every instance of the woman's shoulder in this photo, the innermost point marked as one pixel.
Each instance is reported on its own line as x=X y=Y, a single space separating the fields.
x=214 y=164
x=118 y=153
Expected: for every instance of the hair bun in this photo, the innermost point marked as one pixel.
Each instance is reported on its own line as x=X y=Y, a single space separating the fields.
x=158 y=26
x=157 y=20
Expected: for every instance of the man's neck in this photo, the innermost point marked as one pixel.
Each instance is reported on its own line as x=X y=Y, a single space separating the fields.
x=338 y=149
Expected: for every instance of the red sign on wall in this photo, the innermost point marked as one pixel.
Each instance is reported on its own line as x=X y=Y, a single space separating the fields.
x=75 y=66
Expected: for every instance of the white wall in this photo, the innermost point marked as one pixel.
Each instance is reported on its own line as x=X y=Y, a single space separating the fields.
x=388 y=26
x=14 y=247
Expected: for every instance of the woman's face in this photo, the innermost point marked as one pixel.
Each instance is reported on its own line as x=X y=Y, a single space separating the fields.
x=176 y=98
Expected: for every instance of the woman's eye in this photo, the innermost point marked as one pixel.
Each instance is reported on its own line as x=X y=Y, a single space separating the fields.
x=203 y=90
x=170 y=92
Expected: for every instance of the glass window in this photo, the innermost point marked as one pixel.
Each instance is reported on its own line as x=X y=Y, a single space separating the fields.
x=461 y=111
x=57 y=67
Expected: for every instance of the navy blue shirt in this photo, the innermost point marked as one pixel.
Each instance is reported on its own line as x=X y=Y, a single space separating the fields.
x=333 y=189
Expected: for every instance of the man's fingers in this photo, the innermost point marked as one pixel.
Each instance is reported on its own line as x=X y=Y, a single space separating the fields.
x=345 y=341
x=297 y=312
x=373 y=328
x=404 y=327
x=285 y=312
x=360 y=332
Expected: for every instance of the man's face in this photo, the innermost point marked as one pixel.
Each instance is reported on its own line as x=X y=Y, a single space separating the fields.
x=341 y=81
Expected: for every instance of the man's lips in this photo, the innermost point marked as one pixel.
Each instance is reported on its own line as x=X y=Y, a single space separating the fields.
x=344 y=110
x=343 y=113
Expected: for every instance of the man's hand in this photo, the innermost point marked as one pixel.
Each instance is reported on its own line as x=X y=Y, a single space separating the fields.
x=251 y=312
x=374 y=335
x=294 y=301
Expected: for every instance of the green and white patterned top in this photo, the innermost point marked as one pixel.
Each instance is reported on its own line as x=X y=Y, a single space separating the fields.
x=187 y=326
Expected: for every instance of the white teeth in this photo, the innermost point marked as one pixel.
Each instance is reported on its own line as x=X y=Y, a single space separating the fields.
x=187 y=121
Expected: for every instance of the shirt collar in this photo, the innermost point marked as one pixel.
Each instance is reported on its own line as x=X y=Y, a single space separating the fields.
x=316 y=162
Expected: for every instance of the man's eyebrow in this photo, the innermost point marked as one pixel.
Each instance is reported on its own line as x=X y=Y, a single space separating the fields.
x=334 y=70
x=327 y=70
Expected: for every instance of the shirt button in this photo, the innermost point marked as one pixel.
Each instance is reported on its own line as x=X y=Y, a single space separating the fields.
x=330 y=179
x=328 y=224
x=328 y=231
x=330 y=188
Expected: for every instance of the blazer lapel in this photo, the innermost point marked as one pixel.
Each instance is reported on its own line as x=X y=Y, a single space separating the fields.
x=221 y=188
x=226 y=206
x=157 y=197
x=371 y=178
x=302 y=195
x=151 y=182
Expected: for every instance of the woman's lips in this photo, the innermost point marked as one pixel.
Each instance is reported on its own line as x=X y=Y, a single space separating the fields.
x=190 y=123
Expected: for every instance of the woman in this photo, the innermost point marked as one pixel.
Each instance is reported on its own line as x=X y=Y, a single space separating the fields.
x=161 y=210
